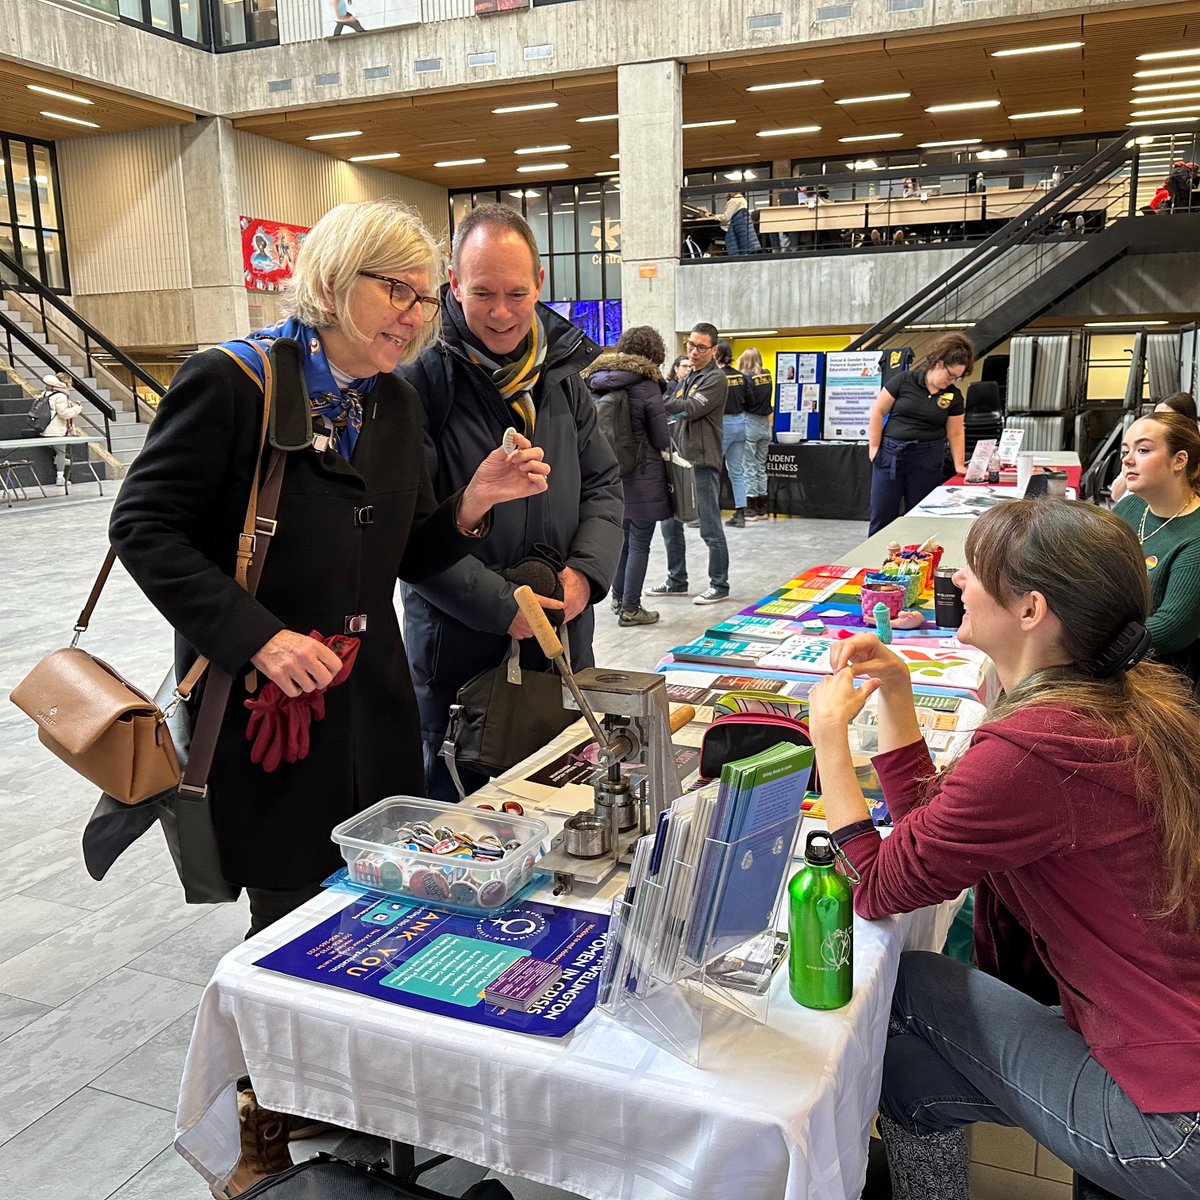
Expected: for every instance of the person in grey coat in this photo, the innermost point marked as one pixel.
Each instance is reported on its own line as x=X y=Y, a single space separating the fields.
x=506 y=360
x=701 y=402
x=633 y=366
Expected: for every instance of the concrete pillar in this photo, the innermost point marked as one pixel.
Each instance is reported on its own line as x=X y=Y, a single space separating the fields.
x=650 y=107
x=211 y=191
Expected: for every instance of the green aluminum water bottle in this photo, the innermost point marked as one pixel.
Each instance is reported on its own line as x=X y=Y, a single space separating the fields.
x=820 y=929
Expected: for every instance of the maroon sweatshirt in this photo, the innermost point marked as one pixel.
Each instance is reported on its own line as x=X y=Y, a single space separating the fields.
x=1042 y=807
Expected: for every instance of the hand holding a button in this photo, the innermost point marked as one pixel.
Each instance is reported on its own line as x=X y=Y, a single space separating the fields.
x=504 y=476
x=297 y=663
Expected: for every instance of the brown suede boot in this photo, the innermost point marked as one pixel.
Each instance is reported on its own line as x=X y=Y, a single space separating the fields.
x=264 y=1136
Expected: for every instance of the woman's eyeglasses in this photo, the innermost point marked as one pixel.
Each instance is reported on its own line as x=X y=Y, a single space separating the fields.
x=405 y=297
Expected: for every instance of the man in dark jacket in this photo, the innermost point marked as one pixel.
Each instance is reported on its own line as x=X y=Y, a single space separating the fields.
x=506 y=360
x=701 y=401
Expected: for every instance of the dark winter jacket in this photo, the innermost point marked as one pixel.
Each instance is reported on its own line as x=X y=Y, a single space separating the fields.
x=457 y=624
x=646 y=486
x=345 y=531
x=701 y=400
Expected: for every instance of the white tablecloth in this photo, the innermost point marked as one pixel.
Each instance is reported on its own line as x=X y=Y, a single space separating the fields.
x=778 y=1110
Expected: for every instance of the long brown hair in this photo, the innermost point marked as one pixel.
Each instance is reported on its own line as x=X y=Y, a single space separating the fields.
x=951 y=350
x=1088 y=565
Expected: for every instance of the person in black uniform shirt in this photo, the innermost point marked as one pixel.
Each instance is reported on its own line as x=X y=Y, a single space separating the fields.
x=923 y=409
x=759 y=408
x=737 y=392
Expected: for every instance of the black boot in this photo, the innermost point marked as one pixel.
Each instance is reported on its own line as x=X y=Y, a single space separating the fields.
x=930 y=1167
x=738 y=520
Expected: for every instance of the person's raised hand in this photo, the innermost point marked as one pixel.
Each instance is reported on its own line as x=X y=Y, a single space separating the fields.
x=297 y=663
x=519 y=628
x=502 y=477
x=865 y=654
x=834 y=701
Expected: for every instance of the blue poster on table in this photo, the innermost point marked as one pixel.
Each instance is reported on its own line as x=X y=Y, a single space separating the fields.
x=441 y=961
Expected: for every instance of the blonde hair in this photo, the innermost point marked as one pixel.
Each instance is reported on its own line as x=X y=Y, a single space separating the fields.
x=1088 y=565
x=382 y=236
x=750 y=361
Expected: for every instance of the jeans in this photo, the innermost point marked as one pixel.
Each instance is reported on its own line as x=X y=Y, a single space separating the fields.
x=631 y=567
x=903 y=472
x=708 y=501
x=735 y=457
x=758 y=440
x=977 y=1050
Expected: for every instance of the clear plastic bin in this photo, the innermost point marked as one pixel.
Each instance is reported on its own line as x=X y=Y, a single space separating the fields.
x=378 y=858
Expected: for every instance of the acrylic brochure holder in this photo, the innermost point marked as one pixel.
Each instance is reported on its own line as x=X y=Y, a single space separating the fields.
x=690 y=960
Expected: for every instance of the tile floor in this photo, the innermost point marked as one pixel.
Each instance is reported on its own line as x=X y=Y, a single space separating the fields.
x=99 y=981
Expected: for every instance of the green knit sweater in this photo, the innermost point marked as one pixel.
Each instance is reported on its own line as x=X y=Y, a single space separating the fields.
x=1173 y=561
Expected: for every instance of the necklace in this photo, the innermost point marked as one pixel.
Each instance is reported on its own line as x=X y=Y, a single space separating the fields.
x=1144 y=537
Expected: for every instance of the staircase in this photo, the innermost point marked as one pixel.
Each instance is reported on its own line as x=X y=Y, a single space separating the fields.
x=41 y=334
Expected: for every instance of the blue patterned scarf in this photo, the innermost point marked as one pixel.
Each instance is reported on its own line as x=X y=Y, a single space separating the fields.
x=342 y=407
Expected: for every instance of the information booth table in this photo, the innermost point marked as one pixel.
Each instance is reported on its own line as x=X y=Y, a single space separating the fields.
x=775 y=1110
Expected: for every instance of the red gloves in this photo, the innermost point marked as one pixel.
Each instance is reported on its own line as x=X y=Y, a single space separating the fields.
x=278 y=729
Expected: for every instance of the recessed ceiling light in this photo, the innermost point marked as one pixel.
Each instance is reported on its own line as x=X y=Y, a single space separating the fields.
x=512 y=108
x=542 y=149
x=795 y=129
x=1165 y=86
x=1158 y=54
x=963 y=106
x=459 y=162
x=707 y=124
x=45 y=91
x=614 y=156
x=529 y=195
x=863 y=164
x=1159 y=71
x=601 y=117
x=324 y=137
x=984 y=155
x=1133 y=323
x=739 y=175
x=951 y=142
x=70 y=120
x=1045 y=112
x=1144 y=140
x=1168 y=99
x=871 y=137
x=874 y=99
x=1165 y=121
x=1036 y=49
x=745 y=333
x=779 y=87
x=374 y=157
x=1166 y=112
x=598 y=173
x=533 y=167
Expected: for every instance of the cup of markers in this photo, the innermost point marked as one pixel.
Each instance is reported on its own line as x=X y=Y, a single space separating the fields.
x=449 y=855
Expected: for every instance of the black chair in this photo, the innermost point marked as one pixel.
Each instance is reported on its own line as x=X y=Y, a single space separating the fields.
x=995 y=370
x=984 y=416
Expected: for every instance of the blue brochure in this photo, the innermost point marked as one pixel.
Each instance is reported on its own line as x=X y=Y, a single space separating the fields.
x=441 y=961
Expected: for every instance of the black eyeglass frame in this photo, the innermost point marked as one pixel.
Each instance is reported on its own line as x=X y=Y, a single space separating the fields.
x=429 y=313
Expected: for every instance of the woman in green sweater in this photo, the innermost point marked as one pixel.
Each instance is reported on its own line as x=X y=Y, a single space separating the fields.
x=1161 y=468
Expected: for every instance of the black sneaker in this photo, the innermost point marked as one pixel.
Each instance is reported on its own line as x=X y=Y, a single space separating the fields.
x=738 y=520
x=711 y=595
x=637 y=616
x=665 y=589
x=615 y=601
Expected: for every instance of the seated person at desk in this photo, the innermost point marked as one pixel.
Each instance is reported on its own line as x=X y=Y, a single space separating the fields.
x=923 y=409
x=1074 y=808
x=1161 y=465
x=1180 y=402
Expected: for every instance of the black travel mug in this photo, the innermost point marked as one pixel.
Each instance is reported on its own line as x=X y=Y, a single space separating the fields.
x=947 y=599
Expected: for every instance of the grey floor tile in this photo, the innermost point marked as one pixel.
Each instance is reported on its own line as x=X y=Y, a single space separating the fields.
x=84 y=1149
x=166 y=1177
x=15 y=1014
x=151 y=1073
x=26 y=920
x=51 y=1058
x=147 y=858
x=27 y=862
x=193 y=953
x=65 y=963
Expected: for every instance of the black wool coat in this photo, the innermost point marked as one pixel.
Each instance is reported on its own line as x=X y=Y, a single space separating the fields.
x=346 y=532
x=645 y=487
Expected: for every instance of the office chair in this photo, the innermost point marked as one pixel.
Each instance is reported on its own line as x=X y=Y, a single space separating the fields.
x=985 y=415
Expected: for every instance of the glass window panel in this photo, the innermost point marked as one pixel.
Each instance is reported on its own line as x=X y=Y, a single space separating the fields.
x=4 y=156
x=264 y=23
x=485 y=198
x=23 y=182
x=163 y=18
x=536 y=215
x=612 y=278
x=460 y=205
x=27 y=245
x=544 y=295
x=6 y=244
x=55 y=276
x=562 y=277
x=562 y=215
x=131 y=9
x=189 y=19
x=591 y=275
x=44 y=178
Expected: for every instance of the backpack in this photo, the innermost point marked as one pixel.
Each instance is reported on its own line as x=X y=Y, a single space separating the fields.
x=41 y=413
x=612 y=415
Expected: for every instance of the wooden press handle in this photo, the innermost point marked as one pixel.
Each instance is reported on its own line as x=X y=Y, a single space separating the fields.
x=536 y=617
x=681 y=716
